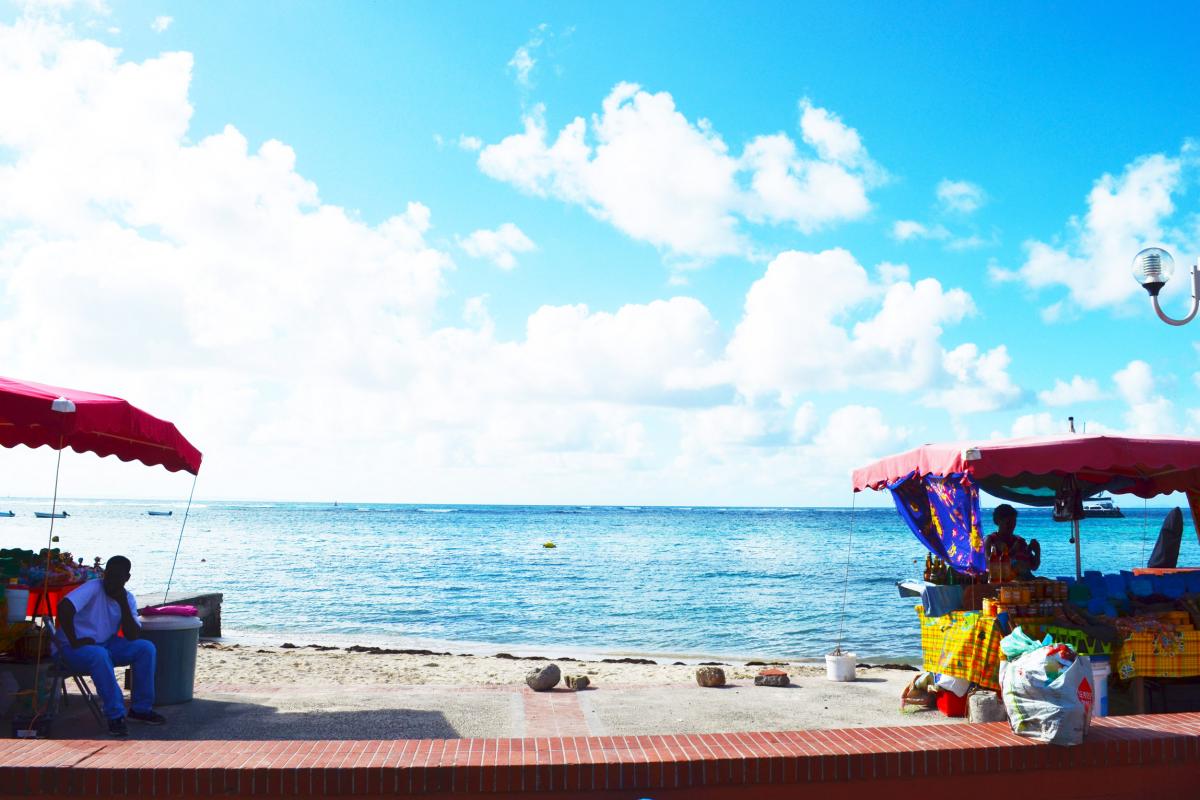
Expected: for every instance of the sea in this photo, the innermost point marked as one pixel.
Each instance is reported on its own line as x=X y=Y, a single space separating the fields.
x=668 y=583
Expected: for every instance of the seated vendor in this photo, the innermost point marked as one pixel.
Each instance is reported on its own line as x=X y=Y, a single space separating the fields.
x=88 y=621
x=1005 y=547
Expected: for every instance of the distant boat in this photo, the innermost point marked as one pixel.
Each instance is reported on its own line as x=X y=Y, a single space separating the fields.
x=1101 y=506
x=7 y=514
x=160 y=513
x=48 y=515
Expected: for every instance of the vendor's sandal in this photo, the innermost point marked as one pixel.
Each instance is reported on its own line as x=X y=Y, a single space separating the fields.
x=148 y=717
x=117 y=727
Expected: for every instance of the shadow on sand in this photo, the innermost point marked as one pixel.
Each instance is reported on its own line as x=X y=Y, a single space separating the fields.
x=219 y=719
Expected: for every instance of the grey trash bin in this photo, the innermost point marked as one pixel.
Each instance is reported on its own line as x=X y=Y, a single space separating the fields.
x=176 y=640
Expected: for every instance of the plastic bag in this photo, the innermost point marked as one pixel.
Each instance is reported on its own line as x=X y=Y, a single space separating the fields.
x=1048 y=694
x=1018 y=643
x=948 y=683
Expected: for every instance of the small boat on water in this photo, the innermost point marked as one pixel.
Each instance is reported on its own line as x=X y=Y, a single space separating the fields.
x=160 y=513
x=1101 y=506
x=7 y=514
x=48 y=515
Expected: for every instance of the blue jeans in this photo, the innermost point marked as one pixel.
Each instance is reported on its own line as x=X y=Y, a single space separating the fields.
x=98 y=660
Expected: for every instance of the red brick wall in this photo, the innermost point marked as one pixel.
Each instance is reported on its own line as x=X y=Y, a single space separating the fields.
x=1124 y=757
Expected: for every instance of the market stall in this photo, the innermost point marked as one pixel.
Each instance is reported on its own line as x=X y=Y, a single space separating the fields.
x=1137 y=625
x=38 y=415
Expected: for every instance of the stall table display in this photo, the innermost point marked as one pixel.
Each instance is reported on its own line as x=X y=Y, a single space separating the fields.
x=966 y=644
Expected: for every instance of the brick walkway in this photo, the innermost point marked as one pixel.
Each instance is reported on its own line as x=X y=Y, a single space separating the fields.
x=555 y=714
x=1124 y=757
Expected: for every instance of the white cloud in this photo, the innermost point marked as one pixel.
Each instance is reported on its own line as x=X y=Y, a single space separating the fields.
x=308 y=354
x=644 y=167
x=499 y=246
x=1125 y=213
x=890 y=273
x=1148 y=411
x=795 y=338
x=855 y=434
x=957 y=198
x=54 y=9
x=1040 y=424
x=160 y=24
x=471 y=144
x=962 y=197
x=979 y=381
x=1079 y=390
x=523 y=61
x=522 y=64
x=833 y=139
x=904 y=230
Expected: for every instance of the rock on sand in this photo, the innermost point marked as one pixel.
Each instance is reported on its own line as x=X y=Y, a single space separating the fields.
x=543 y=679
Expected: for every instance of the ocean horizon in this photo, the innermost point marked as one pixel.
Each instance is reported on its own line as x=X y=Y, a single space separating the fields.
x=665 y=582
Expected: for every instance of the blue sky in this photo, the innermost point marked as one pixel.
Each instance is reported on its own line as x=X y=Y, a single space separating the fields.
x=771 y=242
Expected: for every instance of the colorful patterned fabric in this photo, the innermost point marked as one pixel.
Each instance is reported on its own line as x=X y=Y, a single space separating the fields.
x=962 y=644
x=943 y=513
x=1170 y=655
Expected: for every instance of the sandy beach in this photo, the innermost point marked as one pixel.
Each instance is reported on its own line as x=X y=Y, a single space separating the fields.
x=246 y=691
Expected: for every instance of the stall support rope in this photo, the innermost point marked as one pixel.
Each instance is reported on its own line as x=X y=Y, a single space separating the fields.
x=37 y=665
x=191 y=494
x=846 y=586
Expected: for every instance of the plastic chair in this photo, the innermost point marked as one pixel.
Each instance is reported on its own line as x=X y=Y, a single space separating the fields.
x=60 y=672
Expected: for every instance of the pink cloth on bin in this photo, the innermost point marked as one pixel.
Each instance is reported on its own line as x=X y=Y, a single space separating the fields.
x=169 y=611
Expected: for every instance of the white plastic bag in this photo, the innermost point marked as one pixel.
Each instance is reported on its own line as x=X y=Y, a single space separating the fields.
x=1047 y=695
x=949 y=683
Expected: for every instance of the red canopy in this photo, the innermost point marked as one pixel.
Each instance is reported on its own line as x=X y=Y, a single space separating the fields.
x=37 y=415
x=1144 y=466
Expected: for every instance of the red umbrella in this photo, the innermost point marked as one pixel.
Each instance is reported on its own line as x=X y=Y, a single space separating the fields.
x=37 y=415
x=1031 y=470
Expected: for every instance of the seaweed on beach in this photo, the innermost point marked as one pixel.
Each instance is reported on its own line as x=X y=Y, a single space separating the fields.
x=384 y=651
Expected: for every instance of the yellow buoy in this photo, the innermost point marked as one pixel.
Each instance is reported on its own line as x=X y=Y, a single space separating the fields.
x=549 y=545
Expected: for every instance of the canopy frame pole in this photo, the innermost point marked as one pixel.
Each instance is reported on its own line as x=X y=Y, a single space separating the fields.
x=171 y=577
x=837 y=651
x=1079 y=560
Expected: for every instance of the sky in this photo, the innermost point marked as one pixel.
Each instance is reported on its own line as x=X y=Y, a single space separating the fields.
x=696 y=253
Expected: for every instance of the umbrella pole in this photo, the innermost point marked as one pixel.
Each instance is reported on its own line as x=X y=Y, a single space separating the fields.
x=1079 y=564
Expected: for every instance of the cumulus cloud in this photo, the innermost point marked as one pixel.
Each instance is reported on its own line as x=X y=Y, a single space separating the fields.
x=472 y=144
x=1125 y=213
x=1147 y=410
x=659 y=177
x=794 y=338
x=499 y=246
x=160 y=24
x=1078 y=390
x=978 y=381
x=962 y=197
x=307 y=352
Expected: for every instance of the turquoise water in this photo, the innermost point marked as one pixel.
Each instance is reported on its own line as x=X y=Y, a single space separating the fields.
x=665 y=581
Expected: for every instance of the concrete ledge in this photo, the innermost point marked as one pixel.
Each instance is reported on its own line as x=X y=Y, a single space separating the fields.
x=1124 y=757
x=208 y=608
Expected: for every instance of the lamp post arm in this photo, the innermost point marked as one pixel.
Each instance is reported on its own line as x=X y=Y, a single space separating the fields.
x=1195 y=301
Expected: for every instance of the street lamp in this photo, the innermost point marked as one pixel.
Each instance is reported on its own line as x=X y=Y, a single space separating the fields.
x=1152 y=268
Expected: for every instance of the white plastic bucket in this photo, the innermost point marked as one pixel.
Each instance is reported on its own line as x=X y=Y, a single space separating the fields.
x=18 y=602
x=1100 y=673
x=840 y=667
